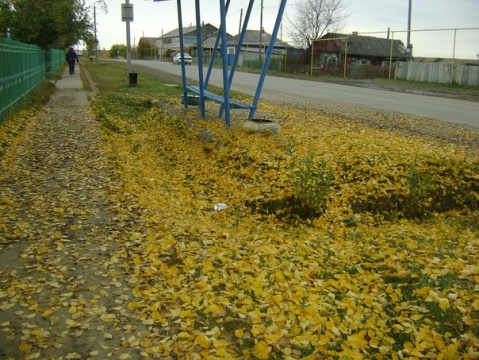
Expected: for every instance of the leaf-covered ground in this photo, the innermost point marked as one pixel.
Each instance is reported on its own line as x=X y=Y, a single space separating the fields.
x=386 y=267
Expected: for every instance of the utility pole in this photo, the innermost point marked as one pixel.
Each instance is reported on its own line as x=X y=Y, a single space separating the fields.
x=105 y=10
x=96 y=40
x=261 y=31
x=241 y=20
x=161 y=46
x=408 y=41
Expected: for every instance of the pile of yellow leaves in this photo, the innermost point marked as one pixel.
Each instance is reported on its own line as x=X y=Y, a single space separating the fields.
x=360 y=281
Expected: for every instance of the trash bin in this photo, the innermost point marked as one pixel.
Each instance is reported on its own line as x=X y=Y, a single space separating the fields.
x=133 y=79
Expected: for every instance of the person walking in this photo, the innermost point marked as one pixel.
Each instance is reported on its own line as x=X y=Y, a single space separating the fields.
x=71 y=58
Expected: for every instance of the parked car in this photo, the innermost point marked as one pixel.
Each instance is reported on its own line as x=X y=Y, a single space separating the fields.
x=187 y=57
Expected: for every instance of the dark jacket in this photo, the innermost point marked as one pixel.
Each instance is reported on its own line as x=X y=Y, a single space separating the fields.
x=72 y=56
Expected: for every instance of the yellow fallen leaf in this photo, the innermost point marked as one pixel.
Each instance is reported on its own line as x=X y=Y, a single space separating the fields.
x=201 y=285
x=74 y=356
x=24 y=347
x=394 y=297
x=444 y=304
x=71 y=323
x=107 y=317
x=261 y=350
x=6 y=201
x=416 y=317
x=42 y=250
x=203 y=341
x=472 y=355
x=239 y=333
x=183 y=335
x=47 y=313
x=133 y=305
x=213 y=308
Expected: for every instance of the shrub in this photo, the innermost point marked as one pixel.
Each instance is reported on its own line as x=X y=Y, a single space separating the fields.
x=311 y=182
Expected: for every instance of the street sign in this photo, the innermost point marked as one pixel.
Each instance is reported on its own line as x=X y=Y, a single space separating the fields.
x=126 y=12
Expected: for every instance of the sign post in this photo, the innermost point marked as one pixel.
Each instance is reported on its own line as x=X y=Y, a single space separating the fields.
x=127 y=16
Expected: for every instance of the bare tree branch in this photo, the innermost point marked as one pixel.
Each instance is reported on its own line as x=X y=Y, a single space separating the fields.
x=314 y=18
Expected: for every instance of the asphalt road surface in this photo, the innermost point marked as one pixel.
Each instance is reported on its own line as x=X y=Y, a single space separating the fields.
x=303 y=91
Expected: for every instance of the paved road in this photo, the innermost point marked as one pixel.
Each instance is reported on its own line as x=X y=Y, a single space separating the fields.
x=301 y=91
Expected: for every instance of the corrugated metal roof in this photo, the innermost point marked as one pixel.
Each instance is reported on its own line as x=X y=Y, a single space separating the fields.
x=190 y=31
x=252 y=38
x=370 y=46
x=176 y=32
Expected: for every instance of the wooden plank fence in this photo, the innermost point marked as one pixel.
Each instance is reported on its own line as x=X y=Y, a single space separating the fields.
x=439 y=72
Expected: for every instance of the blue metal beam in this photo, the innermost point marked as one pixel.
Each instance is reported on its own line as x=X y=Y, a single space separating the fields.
x=239 y=46
x=268 y=57
x=241 y=40
x=182 y=51
x=199 y=48
x=225 y=101
x=224 y=56
x=212 y=61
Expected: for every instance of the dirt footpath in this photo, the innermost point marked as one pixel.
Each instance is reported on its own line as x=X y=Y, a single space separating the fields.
x=62 y=289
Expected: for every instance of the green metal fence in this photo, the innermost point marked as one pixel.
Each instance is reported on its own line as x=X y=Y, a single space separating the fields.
x=22 y=68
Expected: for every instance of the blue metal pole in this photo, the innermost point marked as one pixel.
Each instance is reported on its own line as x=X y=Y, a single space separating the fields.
x=224 y=55
x=212 y=61
x=241 y=40
x=240 y=45
x=182 y=51
x=268 y=57
x=200 y=58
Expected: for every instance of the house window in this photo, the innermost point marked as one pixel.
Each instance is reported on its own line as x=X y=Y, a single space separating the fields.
x=190 y=41
x=329 y=59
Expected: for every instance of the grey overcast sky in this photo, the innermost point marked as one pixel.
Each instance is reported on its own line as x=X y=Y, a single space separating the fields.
x=151 y=19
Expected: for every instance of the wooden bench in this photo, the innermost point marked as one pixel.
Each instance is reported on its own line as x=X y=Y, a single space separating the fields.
x=219 y=99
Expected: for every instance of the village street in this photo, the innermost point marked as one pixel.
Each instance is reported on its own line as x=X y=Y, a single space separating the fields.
x=287 y=90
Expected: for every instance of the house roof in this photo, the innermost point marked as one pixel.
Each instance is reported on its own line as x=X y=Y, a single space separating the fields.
x=190 y=31
x=370 y=46
x=252 y=38
x=150 y=40
x=176 y=32
x=211 y=40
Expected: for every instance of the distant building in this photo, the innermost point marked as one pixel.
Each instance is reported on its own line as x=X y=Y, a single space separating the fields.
x=360 y=52
x=146 y=48
x=169 y=43
x=255 y=43
x=150 y=40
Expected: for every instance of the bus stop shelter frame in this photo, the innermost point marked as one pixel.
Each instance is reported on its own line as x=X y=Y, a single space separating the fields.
x=226 y=103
